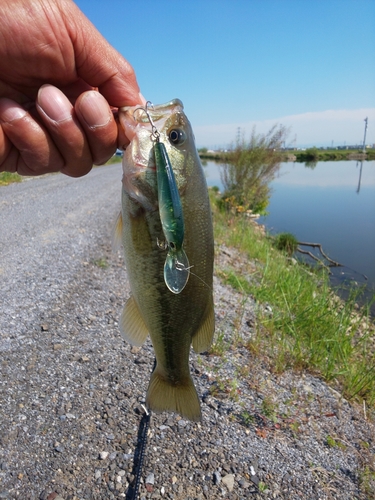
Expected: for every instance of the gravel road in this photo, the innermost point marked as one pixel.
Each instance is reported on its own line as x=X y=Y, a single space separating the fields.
x=71 y=389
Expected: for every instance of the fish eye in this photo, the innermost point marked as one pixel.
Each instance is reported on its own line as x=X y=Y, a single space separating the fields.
x=177 y=136
x=172 y=246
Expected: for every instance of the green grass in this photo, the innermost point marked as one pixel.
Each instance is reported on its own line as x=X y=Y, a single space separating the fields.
x=7 y=178
x=334 y=443
x=102 y=262
x=302 y=324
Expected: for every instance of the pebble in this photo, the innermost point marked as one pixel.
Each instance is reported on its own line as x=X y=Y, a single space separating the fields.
x=217 y=477
x=228 y=480
x=113 y=455
x=150 y=479
x=244 y=484
x=255 y=479
x=103 y=455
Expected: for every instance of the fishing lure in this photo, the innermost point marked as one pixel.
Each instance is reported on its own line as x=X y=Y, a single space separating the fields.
x=176 y=266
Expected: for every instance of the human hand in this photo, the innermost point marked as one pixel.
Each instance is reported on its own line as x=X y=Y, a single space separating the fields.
x=52 y=118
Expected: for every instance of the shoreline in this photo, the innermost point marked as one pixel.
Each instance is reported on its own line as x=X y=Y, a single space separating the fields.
x=301 y=156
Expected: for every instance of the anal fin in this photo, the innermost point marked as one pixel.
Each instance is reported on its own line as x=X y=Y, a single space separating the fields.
x=132 y=326
x=203 y=337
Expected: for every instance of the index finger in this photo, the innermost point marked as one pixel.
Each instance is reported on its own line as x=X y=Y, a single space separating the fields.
x=100 y=65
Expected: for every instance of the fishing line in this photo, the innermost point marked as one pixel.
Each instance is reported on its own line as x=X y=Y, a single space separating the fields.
x=139 y=454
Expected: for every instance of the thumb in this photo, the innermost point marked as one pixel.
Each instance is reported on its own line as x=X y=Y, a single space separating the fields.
x=99 y=64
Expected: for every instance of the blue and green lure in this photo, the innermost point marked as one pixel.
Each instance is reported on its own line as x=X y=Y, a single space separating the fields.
x=176 y=266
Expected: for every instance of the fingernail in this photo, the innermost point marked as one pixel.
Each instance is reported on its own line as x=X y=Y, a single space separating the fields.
x=54 y=103
x=94 y=109
x=11 y=111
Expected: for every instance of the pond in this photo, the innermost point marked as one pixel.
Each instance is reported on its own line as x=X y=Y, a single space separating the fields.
x=332 y=204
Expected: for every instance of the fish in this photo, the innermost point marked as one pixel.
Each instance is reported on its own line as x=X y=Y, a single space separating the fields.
x=176 y=319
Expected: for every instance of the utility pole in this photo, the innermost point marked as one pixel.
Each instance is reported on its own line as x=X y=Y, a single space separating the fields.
x=364 y=138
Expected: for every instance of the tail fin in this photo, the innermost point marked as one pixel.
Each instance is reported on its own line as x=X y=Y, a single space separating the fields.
x=182 y=398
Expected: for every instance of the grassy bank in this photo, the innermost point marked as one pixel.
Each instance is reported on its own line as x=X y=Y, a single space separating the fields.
x=301 y=325
x=303 y=156
x=314 y=154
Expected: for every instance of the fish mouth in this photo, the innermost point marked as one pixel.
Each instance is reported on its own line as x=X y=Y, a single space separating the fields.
x=156 y=110
x=131 y=116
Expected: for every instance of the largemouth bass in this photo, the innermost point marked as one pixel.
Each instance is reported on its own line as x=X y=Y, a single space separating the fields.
x=173 y=320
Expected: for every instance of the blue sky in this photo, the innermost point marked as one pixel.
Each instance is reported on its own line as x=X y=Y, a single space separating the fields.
x=307 y=64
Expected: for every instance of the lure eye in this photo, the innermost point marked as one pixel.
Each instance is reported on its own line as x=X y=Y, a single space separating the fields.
x=177 y=136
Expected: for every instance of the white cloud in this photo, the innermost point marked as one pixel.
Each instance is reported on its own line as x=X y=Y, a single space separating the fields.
x=314 y=128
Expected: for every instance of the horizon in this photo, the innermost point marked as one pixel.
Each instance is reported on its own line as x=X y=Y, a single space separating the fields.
x=240 y=63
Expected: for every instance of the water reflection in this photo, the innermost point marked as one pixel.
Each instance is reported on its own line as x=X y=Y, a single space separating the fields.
x=360 y=176
x=332 y=204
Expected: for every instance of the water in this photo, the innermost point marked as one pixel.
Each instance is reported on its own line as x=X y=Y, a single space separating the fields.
x=332 y=204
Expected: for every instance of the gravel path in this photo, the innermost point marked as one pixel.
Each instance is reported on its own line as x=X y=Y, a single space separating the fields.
x=71 y=389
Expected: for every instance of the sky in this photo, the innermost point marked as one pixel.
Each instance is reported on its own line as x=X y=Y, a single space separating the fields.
x=305 y=64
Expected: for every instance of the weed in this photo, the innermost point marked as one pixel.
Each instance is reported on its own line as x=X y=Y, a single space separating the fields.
x=286 y=242
x=227 y=387
x=269 y=407
x=220 y=346
x=262 y=487
x=8 y=177
x=246 y=418
x=294 y=427
x=367 y=481
x=102 y=263
x=334 y=443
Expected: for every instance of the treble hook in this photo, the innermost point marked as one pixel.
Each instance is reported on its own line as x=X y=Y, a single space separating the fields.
x=154 y=131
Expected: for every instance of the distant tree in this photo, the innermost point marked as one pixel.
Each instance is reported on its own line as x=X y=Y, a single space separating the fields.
x=250 y=166
x=202 y=150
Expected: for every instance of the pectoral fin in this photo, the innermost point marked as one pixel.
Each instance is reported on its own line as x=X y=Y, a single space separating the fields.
x=132 y=326
x=202 y=339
